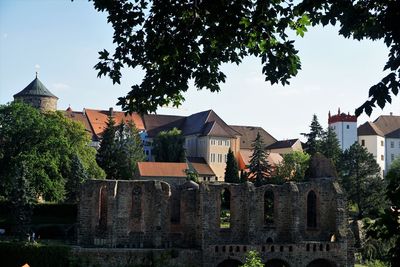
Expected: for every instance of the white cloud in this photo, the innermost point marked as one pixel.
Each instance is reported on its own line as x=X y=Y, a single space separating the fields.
x=37 y=66
x=60 y=86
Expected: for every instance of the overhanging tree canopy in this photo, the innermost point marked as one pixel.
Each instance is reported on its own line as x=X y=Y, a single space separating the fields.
x=175 y=41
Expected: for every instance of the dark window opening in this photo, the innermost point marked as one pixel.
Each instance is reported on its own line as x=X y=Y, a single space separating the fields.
x=311 y=210
x=103 y=208
x=268 y=207
x=225 y=209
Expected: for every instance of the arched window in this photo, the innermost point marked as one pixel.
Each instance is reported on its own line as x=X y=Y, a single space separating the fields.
x=268 y=207
x=311 y=210
x=225 y=209
x=103 y=208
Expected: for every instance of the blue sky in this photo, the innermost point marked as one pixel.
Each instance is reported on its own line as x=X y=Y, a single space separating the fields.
x=61 y=40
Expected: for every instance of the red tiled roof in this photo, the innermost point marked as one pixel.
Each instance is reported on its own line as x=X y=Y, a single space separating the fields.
x=98 y=119
x=200 y=166
x=79 y=117
x=162 y=169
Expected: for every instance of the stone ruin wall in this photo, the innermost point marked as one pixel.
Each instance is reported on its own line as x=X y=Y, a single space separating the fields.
x=142 y=215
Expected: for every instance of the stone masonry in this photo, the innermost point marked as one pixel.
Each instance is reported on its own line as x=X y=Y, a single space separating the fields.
x=308 y=227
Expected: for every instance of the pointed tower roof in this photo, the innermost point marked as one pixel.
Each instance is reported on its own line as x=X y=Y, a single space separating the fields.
x=35 y=88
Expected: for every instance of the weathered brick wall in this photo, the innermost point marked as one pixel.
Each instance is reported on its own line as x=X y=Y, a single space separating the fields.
x=139 y=216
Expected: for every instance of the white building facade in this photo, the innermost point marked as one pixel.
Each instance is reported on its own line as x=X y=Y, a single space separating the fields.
x=345 y=128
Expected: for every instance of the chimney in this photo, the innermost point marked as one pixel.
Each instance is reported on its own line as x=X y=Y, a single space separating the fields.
x=391 y=113
x=111 y=112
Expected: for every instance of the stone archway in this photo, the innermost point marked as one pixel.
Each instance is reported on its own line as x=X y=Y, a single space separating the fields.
x=276 y=263
x=321 y=263
x=229 y=263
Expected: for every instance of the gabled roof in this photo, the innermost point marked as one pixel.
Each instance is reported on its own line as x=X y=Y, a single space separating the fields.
x=249 y=134
x=369 y=128
x=245 y=155
x=207 y=123
x=35 y=88
x=157 y=123
x=162 y=169
x=98 y=119
x=394 y=134
x=282 y=144
x=79 y=117
x=200 y=166
x=387 y=123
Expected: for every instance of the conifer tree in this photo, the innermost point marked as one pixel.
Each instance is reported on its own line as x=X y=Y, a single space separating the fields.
x=330 y=147
x=259 y=167
x=313 y=137
x=362 y=181
x=231 y=170
x=107 y=157
x=129 y=150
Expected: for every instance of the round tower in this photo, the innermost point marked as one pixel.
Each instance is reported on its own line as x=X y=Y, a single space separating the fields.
x=38 y=96
x=345 y=128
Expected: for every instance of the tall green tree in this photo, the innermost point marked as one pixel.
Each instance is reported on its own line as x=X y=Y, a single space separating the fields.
x=168 y=146
x=330 y=147
x=259 y=168
x=231 y=170
x=314 y=137
x=387 y=226
x=158 y=40
x=120 y=150
x=129 y=150
x=293 y=166
x=45 y=144
x=106 y=157
x=362 y=181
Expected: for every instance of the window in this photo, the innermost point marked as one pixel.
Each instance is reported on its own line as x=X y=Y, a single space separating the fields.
x=347 y=126
x=212 y=158
x=362 y=142
x=212 y=141
x=391 y=144
x=382 y=143
x=220 y=142
x=226 y=158
x=219 y=157
x=382 y=157
x=392 y=157
x=225 y=209
x=227 y=142
x=268 y=207
x=311 y=210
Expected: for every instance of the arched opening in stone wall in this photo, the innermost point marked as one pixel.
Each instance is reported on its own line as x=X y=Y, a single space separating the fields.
x=229 y=263
x=136 y=202
x=321 y=263
x=276 y=263
x=225 y=209
x=311 y=210
x=103 y=208
x=268 y=207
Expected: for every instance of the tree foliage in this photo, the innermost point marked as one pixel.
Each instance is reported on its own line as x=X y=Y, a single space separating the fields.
x=231 y=169
x=259 y=168
x=76 y=177
x=294 y=166
x=120 y=150
x=168 y=146
x=387 y=226
x=361 y=178
x=176 y=41
x=42 y=145
x=253 y=259
x=329 y=146
x=313 y=144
